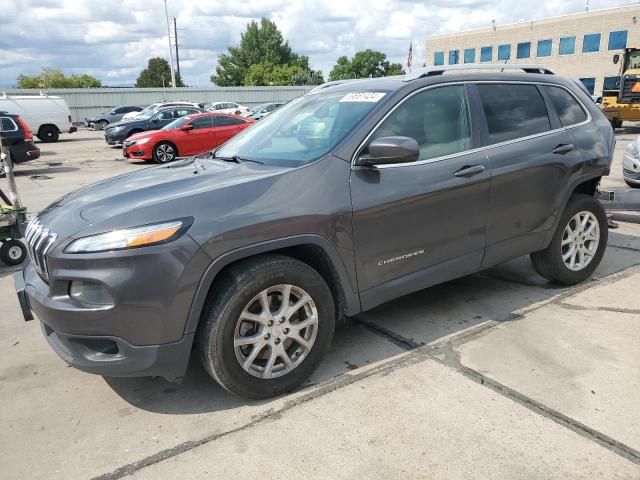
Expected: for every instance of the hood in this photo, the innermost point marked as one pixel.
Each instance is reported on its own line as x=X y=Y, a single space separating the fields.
x=160 y=188
x=141 y=135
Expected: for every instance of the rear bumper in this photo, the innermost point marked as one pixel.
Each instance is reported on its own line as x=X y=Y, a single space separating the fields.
x=73 y=129
x=24 y=152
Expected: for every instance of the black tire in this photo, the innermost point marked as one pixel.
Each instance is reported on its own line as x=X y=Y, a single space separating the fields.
x=632 y=185
x=239 y=285
x=13 y=252
x=102 y=124
x=164 y=152
x=48 y=134
x=549 y=263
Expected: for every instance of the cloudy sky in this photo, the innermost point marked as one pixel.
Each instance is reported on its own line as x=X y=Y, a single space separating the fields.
x=112 y=40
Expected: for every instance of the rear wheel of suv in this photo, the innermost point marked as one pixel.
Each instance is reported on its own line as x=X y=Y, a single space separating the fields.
x=164 y=152
x=578 y=244
x=632 y=185
x=267 y=326
x=48 y=134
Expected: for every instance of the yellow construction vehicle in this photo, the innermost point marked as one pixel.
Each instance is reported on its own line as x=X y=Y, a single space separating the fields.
x=622 y=104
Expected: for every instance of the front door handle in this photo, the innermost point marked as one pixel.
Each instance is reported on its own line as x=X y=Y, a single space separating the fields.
x=563 y=148
x=469 y=171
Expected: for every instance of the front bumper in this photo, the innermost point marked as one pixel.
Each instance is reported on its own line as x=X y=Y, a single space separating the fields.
x=137 y=151
x=115 y=138
x=631 y=168
x=143 y=332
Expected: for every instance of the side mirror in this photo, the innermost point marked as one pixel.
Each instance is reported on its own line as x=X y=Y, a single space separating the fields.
x=616 y=58
x=390 y=150
x=187 y=127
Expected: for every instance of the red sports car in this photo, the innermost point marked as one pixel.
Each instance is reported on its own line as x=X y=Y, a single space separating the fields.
x=188 y=135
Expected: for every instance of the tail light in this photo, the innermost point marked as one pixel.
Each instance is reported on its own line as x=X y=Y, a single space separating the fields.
x=70 y=121
x=28 y=136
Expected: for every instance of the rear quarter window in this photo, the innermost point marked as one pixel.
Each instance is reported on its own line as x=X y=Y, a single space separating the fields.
x=567 y=107
x=513 y=111
x=7 y=125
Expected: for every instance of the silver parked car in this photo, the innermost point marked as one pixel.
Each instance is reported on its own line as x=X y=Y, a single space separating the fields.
x=112 y=116
x=631 y=164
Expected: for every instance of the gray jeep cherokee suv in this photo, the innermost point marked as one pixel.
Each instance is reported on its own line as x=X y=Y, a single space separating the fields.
x=345 y=198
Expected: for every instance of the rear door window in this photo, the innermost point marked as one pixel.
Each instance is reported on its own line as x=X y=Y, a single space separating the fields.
x=567 y=107
x=513 y=111
x=7 y=125
x=225 y=121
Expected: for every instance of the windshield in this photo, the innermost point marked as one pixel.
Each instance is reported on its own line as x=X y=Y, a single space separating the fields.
x=149 y=108
x=177 y=123
x=633 y=60
x=257 y=108
x=303 y=130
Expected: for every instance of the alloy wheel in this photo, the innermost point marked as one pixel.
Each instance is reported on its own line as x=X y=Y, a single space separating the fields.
x=276 y=331
x=165 y=152
x=580 y=240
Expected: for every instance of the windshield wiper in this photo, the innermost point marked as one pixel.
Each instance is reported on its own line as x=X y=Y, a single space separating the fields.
x=237 y=159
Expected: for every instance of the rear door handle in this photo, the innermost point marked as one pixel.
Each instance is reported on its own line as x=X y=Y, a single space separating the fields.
x=469 y=171
x=561 y=149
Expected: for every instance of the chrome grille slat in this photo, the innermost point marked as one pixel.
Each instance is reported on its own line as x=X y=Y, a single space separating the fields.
x=39 y=242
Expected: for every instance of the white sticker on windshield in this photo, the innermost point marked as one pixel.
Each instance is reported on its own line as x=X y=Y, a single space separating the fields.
x=362 y=97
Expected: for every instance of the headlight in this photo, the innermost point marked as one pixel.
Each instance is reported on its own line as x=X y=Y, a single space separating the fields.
x=632 y=150
x=141 y=141
x=116 y=129
x=131 y=237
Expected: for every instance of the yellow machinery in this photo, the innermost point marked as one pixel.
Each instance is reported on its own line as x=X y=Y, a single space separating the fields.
x=623 y=103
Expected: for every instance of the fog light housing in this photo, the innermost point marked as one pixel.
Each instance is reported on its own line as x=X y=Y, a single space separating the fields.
x=90 y=293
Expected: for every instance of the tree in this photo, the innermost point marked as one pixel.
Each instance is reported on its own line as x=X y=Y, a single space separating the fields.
x=364 y=64
x=262 y=57
x=157 y=74
x=269 y=74
x=54 y=78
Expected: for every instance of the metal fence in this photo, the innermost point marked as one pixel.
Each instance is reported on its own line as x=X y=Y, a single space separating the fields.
x=84 y=102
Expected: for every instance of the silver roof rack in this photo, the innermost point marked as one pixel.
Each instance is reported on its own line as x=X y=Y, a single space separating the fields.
x=439 y=70
x=333 y=83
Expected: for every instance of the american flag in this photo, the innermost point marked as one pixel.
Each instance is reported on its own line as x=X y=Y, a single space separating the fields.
x=410 y=57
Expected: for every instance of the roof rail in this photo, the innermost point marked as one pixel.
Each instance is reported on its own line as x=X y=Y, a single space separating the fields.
x=439 y=70
x=333 y=83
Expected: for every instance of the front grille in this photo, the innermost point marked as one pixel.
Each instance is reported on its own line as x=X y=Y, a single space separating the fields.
x=39 y=241
x=627 y=85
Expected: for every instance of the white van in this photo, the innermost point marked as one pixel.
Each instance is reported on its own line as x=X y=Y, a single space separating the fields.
x=46 y=116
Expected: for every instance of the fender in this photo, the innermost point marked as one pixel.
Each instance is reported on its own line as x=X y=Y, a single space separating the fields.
x=352 y=299
x=569 y=192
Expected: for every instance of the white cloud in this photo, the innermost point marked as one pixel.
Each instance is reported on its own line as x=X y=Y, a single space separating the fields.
x=114 y=40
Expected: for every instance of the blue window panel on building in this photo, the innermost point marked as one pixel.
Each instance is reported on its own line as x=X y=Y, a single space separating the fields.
x=454 y=57
x=611 y=83
x=438 y=58
x=590 y=84
x=504 y=52
x=567 y=46
x=544 y=48
x=469 y=55
x=618 y=40
x=486 y=54
x=523 y=50
x=591 y=43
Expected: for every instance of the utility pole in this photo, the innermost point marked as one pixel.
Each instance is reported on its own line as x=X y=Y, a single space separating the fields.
x=175 y=37
x=173 y=73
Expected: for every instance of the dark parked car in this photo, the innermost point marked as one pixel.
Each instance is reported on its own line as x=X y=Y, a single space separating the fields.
x=153 y=120
x=18 y=139
x=112 y=116
x=345 y=198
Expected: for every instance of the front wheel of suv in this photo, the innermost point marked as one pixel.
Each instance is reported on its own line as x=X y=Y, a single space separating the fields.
x=266 y=327
x=578 y=244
